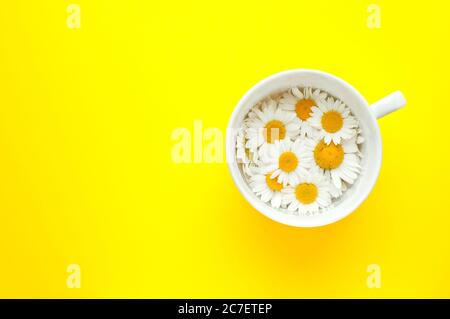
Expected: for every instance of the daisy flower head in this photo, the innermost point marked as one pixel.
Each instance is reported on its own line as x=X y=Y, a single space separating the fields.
x=340 y=161
x=301 y=102
x=269 y=124
x=300 y=150
x=308 y=195
x=267 y=188
x=333 y=120
x=286 y=161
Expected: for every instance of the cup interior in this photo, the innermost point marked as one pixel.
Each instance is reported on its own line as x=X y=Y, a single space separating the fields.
x=371 y=148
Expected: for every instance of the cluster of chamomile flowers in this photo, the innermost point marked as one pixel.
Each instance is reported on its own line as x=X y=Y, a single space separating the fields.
x=299 y=150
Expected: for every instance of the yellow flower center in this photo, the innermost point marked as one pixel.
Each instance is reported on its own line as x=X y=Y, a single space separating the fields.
x=273 y=184
x=306 y=193
x=328 y=156
x=288 y=162
x=274 y=130
x=303 y=108
x=332 y=121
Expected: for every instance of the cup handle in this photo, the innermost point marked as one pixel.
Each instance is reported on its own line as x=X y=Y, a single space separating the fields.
x=388 y=104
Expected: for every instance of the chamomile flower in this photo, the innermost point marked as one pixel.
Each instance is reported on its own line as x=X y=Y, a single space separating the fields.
x=339 y=160
x=268 y=125
x=333 y=120
x=300 y=150
x=301 y=102
x=308 y=195
x=267 y=188
x=286 y=161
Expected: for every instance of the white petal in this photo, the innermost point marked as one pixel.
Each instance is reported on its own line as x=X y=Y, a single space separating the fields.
x=336 y=180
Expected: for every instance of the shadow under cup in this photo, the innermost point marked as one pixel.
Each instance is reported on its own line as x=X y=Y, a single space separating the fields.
x=371 y=148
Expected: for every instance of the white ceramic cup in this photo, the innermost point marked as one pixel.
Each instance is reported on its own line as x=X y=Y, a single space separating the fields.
x=371 y=148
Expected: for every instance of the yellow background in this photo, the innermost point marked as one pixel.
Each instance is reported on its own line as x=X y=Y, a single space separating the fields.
x=86 y=174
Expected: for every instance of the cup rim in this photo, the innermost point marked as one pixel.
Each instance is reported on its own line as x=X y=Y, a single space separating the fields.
x=271 y=212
